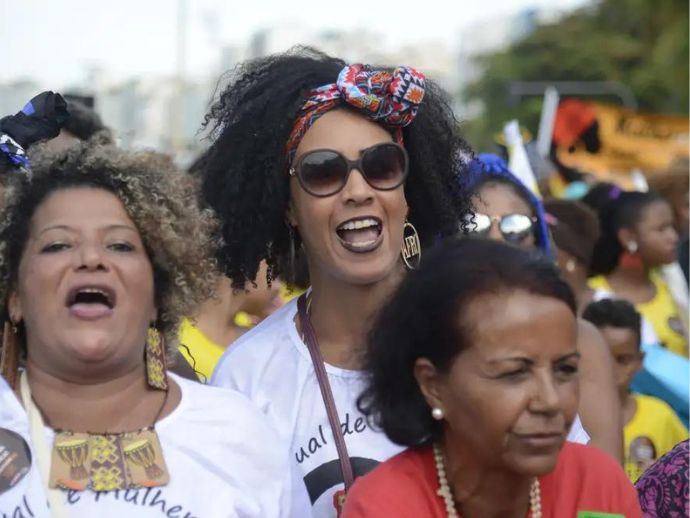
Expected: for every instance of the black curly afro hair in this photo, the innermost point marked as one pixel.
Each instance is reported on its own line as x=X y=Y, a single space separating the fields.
x=244 y=172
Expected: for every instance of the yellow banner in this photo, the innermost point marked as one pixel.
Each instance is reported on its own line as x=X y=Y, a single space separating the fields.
x=630 y=140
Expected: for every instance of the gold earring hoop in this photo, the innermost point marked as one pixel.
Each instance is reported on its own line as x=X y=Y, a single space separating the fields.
x=9 y=355
x=156 y=375
x=411 y=251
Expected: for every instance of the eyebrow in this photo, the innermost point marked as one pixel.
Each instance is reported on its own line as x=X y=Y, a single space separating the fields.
x=115 y=226
x=574 y=354
x=523 y=359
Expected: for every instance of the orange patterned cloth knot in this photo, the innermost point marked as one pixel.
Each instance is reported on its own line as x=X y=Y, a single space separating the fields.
x=390 y=98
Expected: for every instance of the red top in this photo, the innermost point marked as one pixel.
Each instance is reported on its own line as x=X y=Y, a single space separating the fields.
x=585 y=480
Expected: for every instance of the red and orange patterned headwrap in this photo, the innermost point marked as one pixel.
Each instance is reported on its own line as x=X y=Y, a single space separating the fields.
x=392 y=99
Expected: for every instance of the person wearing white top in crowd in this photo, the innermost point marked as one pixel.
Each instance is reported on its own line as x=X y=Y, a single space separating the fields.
x=357 y=168
x=101 y=254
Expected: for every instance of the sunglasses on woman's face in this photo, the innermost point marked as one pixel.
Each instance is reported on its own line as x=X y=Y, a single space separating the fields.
x=513 y=227
x=324 y=172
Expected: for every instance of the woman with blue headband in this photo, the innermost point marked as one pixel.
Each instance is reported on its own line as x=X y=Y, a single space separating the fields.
x=505 y=209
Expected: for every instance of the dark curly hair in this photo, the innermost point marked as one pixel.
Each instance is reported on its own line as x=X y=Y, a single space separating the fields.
x=614 y=313
x=422 y=321
x=245 y=169
x=616 y=209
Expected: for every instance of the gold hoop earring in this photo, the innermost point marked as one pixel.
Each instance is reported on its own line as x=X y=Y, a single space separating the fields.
x=156 y=375
x=411 y=248
x=9 y=355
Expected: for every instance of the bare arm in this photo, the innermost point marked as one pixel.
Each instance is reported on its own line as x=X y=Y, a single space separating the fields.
x=599 y=403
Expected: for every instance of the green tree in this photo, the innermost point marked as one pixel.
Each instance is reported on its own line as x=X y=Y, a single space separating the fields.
x=640 y=43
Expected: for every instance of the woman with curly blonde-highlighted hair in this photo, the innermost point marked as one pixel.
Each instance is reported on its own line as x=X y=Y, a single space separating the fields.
x=102 y=252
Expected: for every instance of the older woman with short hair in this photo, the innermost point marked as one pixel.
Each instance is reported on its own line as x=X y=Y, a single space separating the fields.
x=474 y=366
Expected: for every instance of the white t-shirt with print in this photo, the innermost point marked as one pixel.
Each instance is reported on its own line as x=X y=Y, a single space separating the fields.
x=26 y=499
x=272 y=366
x=224 y=460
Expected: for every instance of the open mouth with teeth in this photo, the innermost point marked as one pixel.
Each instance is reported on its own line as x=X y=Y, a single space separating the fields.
x=91 y=301
x=360 y=234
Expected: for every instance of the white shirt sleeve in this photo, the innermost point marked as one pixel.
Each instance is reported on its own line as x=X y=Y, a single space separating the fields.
x=577 y=432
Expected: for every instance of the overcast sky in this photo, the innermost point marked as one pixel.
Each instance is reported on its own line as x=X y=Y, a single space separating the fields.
x=55 y=41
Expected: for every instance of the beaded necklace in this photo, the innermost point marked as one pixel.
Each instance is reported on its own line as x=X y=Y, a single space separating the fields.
x=445 y=492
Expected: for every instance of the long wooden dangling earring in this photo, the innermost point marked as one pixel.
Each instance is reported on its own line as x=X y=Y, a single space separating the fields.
x=411 y=251
x=9 y=355
x=156 y=375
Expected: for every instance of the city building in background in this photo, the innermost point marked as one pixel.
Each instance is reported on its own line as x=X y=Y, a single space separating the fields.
x=166 y=112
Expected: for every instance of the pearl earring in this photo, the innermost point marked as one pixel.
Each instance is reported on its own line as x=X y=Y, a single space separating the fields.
x=570 y=265
x=437 y=413
x=632 y=246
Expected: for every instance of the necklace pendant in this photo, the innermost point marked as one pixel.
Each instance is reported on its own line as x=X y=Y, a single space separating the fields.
x=107 y=462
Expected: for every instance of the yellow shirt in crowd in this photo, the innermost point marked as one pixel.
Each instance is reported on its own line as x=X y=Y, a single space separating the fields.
x=661 y=312
x=200 y=352
x=653 y=431
x=203 y=354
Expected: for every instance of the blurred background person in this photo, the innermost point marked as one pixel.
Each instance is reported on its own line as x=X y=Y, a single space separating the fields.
x=230 y=313
x=224 y=318
x=651 y=427
x=574 y=229
x=474 y=365
x=664 y=488
x=637 y=238
x=674 y=185
x=506 y=210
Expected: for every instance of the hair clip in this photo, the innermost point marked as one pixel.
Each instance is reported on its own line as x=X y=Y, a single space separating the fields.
x=614 y=192
x=15 y=153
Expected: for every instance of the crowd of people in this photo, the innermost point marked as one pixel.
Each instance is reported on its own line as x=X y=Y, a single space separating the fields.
x=340 y=310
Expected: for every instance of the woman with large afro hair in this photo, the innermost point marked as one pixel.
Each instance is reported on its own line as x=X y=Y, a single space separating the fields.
x=358 y=170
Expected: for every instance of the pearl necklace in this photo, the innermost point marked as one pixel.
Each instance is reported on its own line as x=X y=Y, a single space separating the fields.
x=445 y=492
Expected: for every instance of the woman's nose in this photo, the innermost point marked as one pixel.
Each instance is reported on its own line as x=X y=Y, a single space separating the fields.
x=90 y=257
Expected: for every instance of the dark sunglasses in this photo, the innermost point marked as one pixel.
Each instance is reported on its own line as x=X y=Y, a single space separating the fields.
x=324 y=172
x=513 y=227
